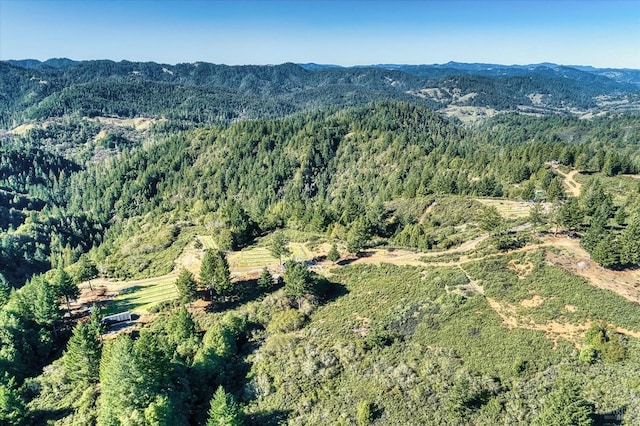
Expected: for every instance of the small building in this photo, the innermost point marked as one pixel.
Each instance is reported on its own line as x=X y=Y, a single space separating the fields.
x=116 y=318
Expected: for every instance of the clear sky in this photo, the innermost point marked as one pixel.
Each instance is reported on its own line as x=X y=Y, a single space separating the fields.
x=602 y=33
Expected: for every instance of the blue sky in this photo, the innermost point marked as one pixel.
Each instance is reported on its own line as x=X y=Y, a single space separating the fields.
x=587 y=32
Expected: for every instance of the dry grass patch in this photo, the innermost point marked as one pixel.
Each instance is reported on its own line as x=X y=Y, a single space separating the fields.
x=510 y=209
x=535 y=301
x=522 y=269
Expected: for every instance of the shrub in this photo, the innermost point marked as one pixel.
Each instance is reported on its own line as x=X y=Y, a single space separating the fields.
x=286 y=321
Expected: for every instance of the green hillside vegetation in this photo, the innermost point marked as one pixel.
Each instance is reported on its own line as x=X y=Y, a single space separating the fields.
x=374 y=264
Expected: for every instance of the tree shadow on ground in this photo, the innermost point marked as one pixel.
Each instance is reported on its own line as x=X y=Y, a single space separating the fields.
x=267 y=418
x=349 y=260
x=41 y=417
x=246 y=291
x=610 y=418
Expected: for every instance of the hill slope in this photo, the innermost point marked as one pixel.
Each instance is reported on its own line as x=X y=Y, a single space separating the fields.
x=203 y=92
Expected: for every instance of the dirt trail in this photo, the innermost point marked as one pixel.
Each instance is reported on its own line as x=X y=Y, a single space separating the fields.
x=570 y=183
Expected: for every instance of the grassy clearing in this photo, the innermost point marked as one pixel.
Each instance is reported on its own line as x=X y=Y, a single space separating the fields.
x=510 y=209
x=619 y=186
x=140 y=296
x=299 y=251
x=255 y=257
x=208 y=242
x=259 y=257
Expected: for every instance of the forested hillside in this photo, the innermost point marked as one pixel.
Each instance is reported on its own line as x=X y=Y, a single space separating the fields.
x=317 y=245
x=209 y=93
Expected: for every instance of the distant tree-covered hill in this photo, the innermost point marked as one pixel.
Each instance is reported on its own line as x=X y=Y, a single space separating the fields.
x=209 y=93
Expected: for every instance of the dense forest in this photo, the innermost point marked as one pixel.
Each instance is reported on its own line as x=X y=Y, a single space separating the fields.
x=218 y=94
x=411 y=269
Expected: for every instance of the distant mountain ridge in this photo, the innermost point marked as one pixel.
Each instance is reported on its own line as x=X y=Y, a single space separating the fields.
x=212 y=93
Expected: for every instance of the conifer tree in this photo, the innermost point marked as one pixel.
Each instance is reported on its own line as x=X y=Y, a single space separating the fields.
x=12 y=407
x=224 y=410
x=187 y=286
x=65 y=287
x=82 y=357
x=265 y=281
x=44 y=306
x=207 y=272
x=86 y=271
x=630 y=241
x=122 y=390
x=565 y=405
x=278 y=246
x=333 y=254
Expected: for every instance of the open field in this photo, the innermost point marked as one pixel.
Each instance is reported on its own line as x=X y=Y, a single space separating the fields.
x=207 y=242
x=140 y=295
x=510 y=209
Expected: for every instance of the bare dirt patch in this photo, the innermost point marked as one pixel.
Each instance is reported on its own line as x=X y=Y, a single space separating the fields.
x=575 y=260
x=138 y=123
x=554 y=330
x=522 y=269
x=535 y=301
x=574 y=188
x=365 y=325
x=22 y=129
x=570 y=308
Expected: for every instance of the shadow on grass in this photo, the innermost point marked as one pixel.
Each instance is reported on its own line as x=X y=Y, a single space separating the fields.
x=119 y=305
x=246 y=291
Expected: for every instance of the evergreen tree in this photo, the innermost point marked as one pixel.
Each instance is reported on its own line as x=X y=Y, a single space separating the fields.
x=160 y=412
x=630 y=241
x=297 y=280
x=208 y=271
x=180 y=325
x=607 y=252
x=555 y=190
x=187 y=286
x=82 y=357
x=86 y=271
x=333 y=254
x=278 y=246
x=12 y=408
x=490 y=220
x=222 y=277
x=357 y=236
x=122 y=390
x=215 y=275
x=5 y=290
x=364 y=416
x=528 y=190
x=536 y=214
x=95 y=321
x=265 y=282
x=570 y=214
x=65 y=287
x=224 y=410
x=595 y=234
x=44 y=305
x=564 y=406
